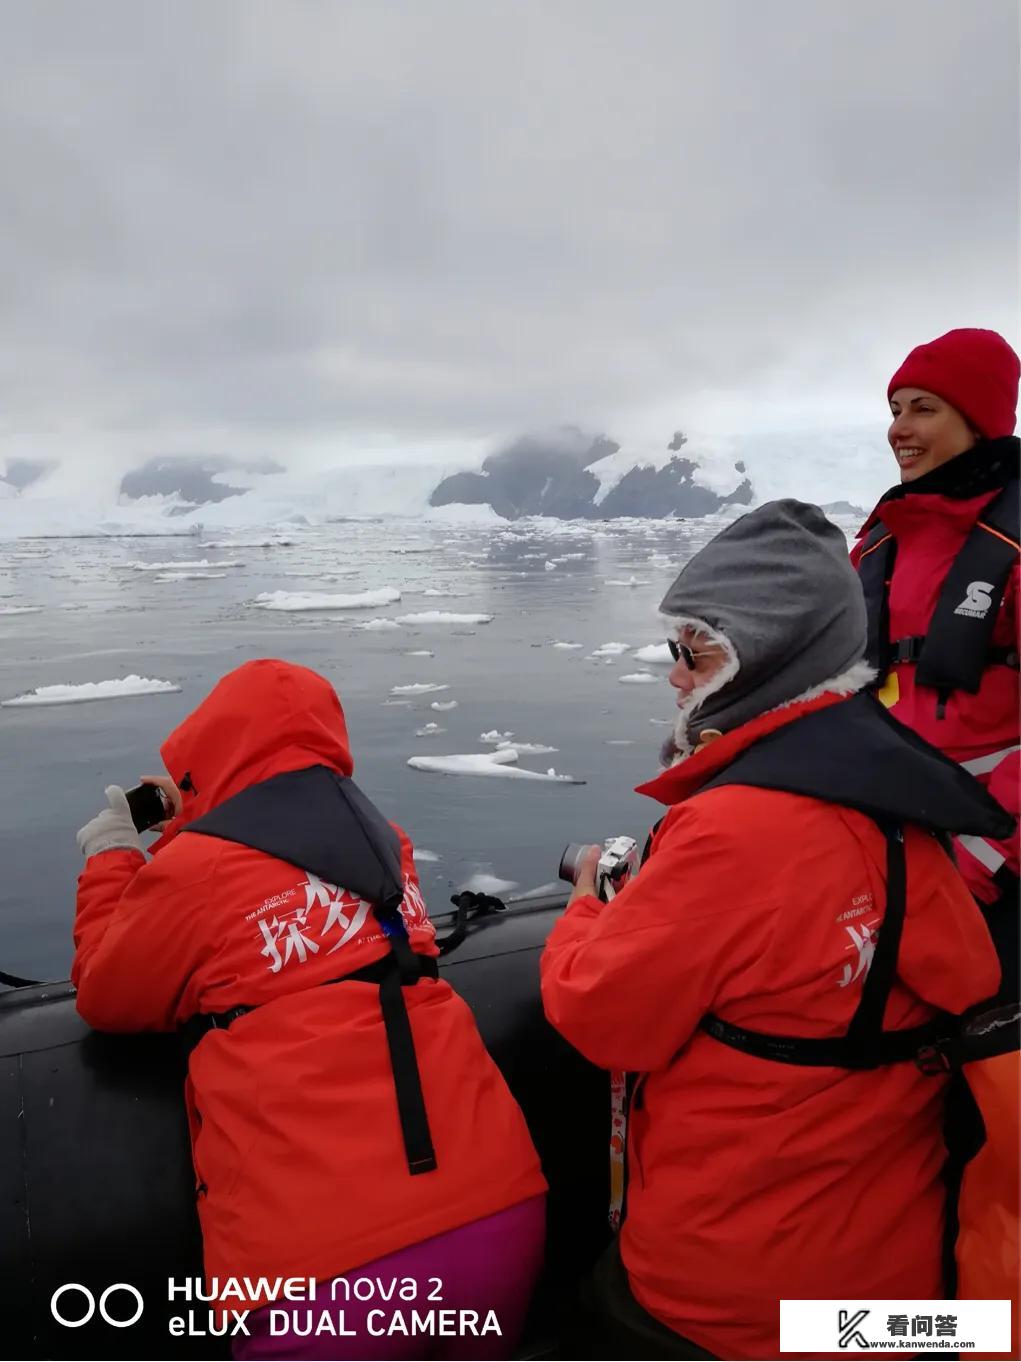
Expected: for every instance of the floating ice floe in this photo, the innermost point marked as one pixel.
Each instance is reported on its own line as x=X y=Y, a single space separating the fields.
x=443 y=617
x=188 y=576
x=379 y=624
x=92 y=690
x=443 y=705
x=666 y=723
x=630 y=581
x=495 y=736
x=183 y=564
x=609 y=651
x=549 y=565
x=333 y=576
x=417 y=688
x=421 y=854
x=481 y=883
x=620 y=742
x=542 y=890
x=310 y=600
x=429 y=731
x=558 y=644
x=419 y=652
x=498 y=763
x=528 y=748
x=655 y=652
x=20 y=609
x=438 y=591
x=637 y=678
x=247 y=544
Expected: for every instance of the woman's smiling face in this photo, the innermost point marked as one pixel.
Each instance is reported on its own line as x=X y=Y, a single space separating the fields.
x=925 y=432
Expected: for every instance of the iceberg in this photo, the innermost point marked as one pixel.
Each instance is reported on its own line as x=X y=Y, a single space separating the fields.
x=92 y=690
x=498 y=763
x=183 y=564
x=655 y=652
x=481 y=883
x=188 y=576
x=310 y=600
x=443 y=617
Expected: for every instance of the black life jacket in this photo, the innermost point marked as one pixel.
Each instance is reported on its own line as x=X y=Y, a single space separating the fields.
x=322 y=823
x=956 y=649
x=856 y=755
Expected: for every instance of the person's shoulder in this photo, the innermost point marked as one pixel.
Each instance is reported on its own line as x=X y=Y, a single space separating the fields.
x=191 y=857
x=741 y=814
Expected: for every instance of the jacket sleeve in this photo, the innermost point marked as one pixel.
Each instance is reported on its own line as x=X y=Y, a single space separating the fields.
x=628 y=982
x=136 y=943
x=421 y=929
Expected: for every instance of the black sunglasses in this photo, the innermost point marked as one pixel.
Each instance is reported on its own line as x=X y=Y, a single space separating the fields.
x=679 y=651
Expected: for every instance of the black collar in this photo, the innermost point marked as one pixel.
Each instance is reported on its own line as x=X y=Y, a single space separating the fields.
x=986 y=467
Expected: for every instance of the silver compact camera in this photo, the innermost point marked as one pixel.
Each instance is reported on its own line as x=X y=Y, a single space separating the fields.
x=617 y=864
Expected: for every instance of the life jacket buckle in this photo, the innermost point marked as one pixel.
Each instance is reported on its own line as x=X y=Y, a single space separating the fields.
x=932 y=1061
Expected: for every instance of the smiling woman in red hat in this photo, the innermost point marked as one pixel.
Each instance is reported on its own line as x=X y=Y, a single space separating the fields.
x=938 y=559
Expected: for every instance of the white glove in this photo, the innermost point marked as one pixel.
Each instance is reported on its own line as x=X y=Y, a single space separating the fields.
x=111 y=830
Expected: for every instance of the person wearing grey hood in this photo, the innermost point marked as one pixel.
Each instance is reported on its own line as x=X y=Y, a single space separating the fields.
x=795 y=935
x=771 y=612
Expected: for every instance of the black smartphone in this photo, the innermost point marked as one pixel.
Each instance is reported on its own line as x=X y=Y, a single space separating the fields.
x=148 y=806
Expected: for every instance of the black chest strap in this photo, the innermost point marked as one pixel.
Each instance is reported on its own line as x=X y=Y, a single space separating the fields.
x=956 y=648
x=391 y=981
x=321 y=823
x=865 y=1045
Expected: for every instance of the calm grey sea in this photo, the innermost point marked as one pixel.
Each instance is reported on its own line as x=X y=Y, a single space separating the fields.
x=102 y=617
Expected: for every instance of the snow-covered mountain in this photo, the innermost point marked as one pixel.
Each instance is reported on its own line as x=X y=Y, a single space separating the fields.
x=577 y=476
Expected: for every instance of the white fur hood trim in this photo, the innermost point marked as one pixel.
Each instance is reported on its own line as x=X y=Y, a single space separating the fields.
x=856 y=678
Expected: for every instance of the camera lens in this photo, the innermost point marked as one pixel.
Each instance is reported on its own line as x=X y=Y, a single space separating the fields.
x=569 y=862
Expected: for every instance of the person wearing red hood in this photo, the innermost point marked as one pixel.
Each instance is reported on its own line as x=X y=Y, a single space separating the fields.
x=795 y=935
x=358 y=1128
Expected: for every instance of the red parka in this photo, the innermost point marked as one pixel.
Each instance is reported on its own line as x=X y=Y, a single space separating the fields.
x=980 y=731
x=752 y=1180
x=299 y=1160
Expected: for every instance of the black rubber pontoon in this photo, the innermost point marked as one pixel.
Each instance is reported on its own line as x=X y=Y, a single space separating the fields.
x=95 y=1168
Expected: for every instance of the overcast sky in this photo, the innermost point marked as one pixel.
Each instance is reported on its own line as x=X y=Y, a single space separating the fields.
x=283 y=226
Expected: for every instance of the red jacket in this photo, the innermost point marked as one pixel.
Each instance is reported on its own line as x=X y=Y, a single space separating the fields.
x=751 y=1180
x=298 y=1153
x=981 y=731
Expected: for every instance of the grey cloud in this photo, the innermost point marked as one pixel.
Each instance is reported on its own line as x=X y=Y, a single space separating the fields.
x=462 y=219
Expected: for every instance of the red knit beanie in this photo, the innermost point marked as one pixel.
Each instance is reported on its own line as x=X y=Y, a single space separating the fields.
x=975 y=371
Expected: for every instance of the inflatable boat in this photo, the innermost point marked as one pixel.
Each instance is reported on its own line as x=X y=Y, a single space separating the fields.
x=95 y=1167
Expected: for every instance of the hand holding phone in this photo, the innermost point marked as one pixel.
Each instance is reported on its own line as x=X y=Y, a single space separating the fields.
x=154 y=803
x=149 y=806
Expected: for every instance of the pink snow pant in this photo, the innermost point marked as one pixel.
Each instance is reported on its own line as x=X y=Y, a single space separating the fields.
x=488 y=1265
